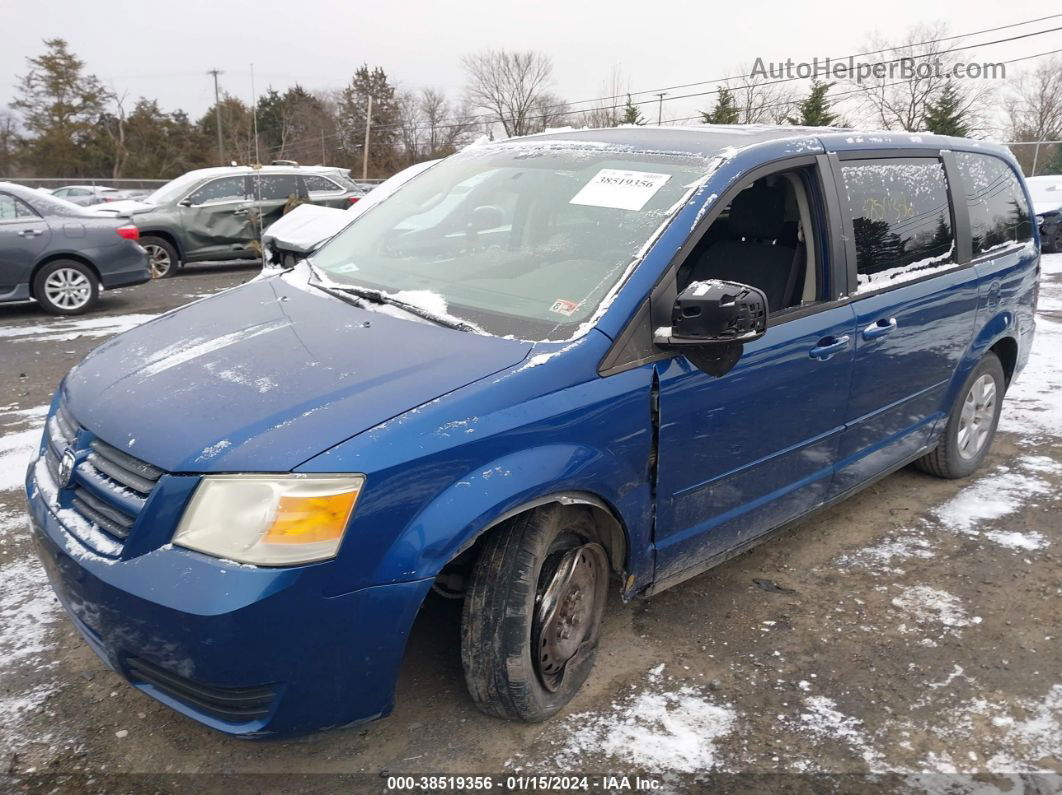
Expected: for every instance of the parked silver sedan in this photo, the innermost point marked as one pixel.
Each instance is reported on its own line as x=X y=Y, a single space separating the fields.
x=61 y=255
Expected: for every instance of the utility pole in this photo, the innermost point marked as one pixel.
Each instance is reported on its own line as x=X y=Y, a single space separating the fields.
x=217 y=113
x=323 y=158
x=365 y=154
x=660 y=108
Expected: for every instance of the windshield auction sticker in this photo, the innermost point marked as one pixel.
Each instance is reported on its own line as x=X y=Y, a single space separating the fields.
x=622 y=190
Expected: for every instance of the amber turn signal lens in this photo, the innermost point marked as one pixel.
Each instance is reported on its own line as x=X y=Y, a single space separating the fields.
x=306 y=520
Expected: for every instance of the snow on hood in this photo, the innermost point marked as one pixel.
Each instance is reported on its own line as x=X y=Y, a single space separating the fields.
x=1046 y=207
x=306 y=226
x=265 y=376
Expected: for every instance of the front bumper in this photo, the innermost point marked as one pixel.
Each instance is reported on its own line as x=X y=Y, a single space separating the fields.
x=245 y=650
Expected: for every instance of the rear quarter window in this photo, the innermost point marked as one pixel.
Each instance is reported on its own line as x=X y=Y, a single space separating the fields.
x=315 y=183
x=999 y=214
x=901 y=219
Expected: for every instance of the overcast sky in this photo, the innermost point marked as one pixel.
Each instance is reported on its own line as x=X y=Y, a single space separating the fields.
x=163 y=50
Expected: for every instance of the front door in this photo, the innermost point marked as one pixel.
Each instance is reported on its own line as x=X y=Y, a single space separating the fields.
x=753 y=449
x=218 y=219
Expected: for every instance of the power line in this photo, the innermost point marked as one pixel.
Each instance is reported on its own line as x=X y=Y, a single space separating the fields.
x=842 y=58
x=483 y=118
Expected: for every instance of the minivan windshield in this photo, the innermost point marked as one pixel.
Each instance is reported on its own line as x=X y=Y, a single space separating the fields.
x=523 y=239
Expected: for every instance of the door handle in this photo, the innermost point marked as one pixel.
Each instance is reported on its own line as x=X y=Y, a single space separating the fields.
x=31 y=232
x=828 y=346
x=879 y=329
x=240 y=212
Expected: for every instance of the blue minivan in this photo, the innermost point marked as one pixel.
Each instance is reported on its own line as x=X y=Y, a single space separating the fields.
x=540 y=366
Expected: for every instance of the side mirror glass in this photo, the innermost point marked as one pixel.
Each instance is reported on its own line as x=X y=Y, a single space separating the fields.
x=712 y=320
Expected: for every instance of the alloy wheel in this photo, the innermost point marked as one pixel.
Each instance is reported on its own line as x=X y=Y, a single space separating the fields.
x=159 y=261
x=68 y=288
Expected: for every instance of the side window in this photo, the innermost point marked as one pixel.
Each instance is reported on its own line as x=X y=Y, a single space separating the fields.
x=901 y=218
x=999 y=214
x=315 y=183
x=220 y=190
x=766 y=238
x=274 y=187
x=12 y=209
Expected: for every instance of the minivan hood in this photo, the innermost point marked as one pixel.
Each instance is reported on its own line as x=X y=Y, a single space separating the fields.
x=1046 y=207
x=265 y=376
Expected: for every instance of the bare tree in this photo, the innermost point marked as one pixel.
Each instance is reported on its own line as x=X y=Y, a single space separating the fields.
x=608 y=111
x=918 y=68
x=444 y=125
x=760 y=100
x=1034 y=112
x=511 y=87
x=409 y=122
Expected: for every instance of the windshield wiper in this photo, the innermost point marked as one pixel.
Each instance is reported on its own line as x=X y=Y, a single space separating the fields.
x=363 y=294
x=380 y=297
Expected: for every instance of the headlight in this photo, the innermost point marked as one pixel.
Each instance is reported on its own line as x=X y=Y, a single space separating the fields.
x=1039 y=220
x=269 y=520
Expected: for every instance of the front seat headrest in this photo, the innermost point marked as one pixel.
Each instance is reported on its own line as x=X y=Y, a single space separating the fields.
x=758 y=212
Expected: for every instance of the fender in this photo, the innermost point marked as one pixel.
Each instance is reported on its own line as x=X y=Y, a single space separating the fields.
x=488 y=495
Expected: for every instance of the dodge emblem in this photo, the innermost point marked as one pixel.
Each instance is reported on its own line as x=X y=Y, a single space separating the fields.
x=66 y=468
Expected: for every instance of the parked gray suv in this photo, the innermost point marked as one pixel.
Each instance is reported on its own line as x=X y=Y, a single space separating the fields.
x=217 y=214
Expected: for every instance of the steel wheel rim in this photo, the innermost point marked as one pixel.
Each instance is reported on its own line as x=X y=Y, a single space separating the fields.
x=978 y=413
x=158 y=260
x=68 y=288
x=568 y=612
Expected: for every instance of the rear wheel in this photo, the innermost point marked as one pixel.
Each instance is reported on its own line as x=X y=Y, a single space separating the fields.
x=162 y=256
x=532 y=614
x=971 y=423
x=1053 y=245
x=66 y=287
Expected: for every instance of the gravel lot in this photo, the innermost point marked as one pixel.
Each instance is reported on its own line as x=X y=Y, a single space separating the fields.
x=912 y=632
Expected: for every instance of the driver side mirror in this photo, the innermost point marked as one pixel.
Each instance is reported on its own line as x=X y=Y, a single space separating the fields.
x=184 y=203
x=712 y=320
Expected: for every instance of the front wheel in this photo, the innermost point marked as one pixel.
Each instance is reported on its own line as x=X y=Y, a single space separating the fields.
x=162 y=256
x=971 y=424
x=532 y=614
x=66 y=287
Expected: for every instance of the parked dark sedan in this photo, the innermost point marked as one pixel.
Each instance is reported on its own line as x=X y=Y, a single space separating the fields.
x=60 y=254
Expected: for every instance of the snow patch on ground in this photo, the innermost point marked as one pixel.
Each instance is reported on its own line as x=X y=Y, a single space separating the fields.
x=66 y=330
x=661 y=731
x=27 y=611
x=1033 y=406
x=824 y=721
x=928 y=605
x=22 y=435
x=881 y=556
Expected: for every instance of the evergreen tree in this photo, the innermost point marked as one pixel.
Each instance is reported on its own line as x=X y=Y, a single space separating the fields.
x=725 y=110
x=632 y=114
x=60 y=105
x=815 y=108
x=946 y=115
x=385 y=156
